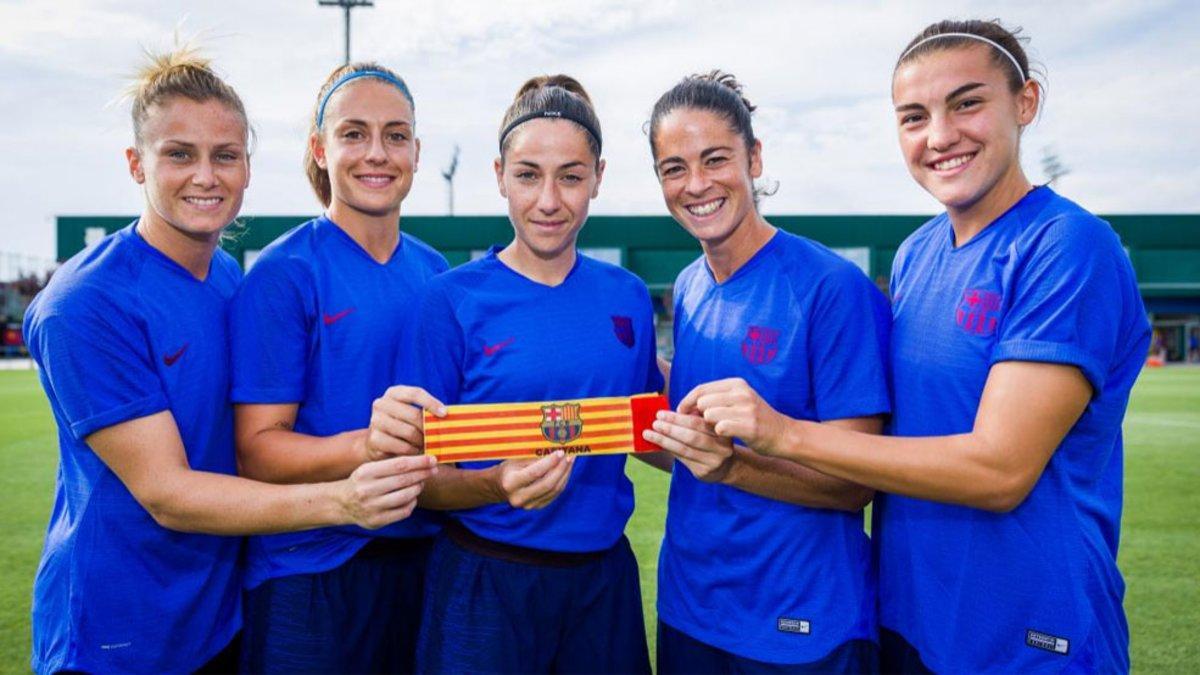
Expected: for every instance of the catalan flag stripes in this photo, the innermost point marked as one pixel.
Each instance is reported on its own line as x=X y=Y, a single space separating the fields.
x=507 y=430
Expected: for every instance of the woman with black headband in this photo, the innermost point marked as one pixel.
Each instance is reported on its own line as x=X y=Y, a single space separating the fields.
x=533 y=573
x=318 y=330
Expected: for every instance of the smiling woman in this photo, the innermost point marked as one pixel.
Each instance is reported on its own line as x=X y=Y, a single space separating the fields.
x=762 y=316
x=130 y=340
x=191 y=155
x=1018 y=334
x=960 y=117
x=319 y=330
x=191 y=190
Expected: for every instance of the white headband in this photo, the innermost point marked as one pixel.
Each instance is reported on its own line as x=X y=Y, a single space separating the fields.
x=970 y=36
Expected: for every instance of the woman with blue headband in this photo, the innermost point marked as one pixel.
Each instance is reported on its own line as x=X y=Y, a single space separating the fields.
x=318 y=329
x=141 y=569
x=1018 y=334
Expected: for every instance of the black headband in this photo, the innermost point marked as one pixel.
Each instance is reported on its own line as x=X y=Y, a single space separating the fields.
x=551 y=114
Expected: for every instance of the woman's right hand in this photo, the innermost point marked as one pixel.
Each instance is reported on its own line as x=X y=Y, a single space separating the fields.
x=534 y=483
x=383 y=492
x=397 y=424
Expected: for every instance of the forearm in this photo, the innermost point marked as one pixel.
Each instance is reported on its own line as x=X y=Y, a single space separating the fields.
x=454 y=488
x=954 y=469
x=285 y=456
x=788 y=481
x=213 y=503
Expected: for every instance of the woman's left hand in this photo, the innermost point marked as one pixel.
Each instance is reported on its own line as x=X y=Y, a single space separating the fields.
x=735 y=410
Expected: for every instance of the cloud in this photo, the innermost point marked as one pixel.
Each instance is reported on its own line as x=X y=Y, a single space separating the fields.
x=1121 y=110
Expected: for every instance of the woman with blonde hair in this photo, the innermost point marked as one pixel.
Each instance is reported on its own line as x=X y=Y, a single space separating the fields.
x=140 y=571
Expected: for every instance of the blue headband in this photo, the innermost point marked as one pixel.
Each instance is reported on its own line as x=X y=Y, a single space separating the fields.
x=354 y=75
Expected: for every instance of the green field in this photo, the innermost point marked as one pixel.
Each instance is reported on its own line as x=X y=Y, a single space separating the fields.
x=1160 y=546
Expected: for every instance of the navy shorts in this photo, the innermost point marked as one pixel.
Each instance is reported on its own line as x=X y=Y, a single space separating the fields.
x=681 y=653
x=494 y=608
x=896 y=655
x=360 y=617
x=226 y=661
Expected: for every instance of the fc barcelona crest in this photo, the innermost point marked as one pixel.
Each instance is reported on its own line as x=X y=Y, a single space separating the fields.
x=978 y=312
x=623 y=327
x=561 y=423
x=760 y=345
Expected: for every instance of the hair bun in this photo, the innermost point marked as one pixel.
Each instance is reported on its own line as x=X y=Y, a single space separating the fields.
x=545 y=81
x=182 y=72
x=561 y=93
x=728 y=81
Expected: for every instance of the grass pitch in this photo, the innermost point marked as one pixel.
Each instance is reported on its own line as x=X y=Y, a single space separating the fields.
x=1160 y=545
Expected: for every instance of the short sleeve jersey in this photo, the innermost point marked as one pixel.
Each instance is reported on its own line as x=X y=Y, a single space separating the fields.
x=320 y=323
x=491 y=335
x=1036 y=589
x=123 y=332
x=760 y=578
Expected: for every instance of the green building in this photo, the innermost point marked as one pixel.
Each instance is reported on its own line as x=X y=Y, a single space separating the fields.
x=1165 y=250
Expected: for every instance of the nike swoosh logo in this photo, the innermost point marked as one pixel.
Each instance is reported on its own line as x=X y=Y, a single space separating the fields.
x=331 y=319
x=170 y=359
x=489 y=350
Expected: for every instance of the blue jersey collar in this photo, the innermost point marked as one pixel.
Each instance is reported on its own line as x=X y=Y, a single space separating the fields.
x=493 y=255
x=747 y=266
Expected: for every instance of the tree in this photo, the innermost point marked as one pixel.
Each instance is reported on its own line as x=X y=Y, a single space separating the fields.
x=1052 y=165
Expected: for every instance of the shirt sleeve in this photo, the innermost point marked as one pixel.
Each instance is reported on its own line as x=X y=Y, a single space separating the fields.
x=438 y=347
x=270 y=320
x=1064 y=302
x=100 y=368
x=440 y=264
x=848 y=336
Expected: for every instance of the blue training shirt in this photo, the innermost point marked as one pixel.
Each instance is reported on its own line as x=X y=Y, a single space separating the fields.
x=123 y=332
x=318 y=322
x=1036 y=589
x=756 y=577
x=491 y=335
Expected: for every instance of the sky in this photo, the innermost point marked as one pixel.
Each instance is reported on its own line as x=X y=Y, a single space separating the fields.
x=1122 y=113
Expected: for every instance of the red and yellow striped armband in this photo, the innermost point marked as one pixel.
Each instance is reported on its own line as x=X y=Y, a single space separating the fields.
x=592 y=426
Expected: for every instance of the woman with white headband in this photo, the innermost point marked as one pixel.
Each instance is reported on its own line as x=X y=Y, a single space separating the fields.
x=318 y=330
x=1018 y=334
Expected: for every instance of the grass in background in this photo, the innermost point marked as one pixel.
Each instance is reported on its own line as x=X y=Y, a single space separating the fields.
x=1160 y=546
x=1160 y=540
x=29 y=455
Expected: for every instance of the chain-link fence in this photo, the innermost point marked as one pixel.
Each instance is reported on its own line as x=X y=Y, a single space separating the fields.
x=15 y=266
x=21 y=277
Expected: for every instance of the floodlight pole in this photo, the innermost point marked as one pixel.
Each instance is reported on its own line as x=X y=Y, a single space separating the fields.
x=346 y=6
x=448 y=174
